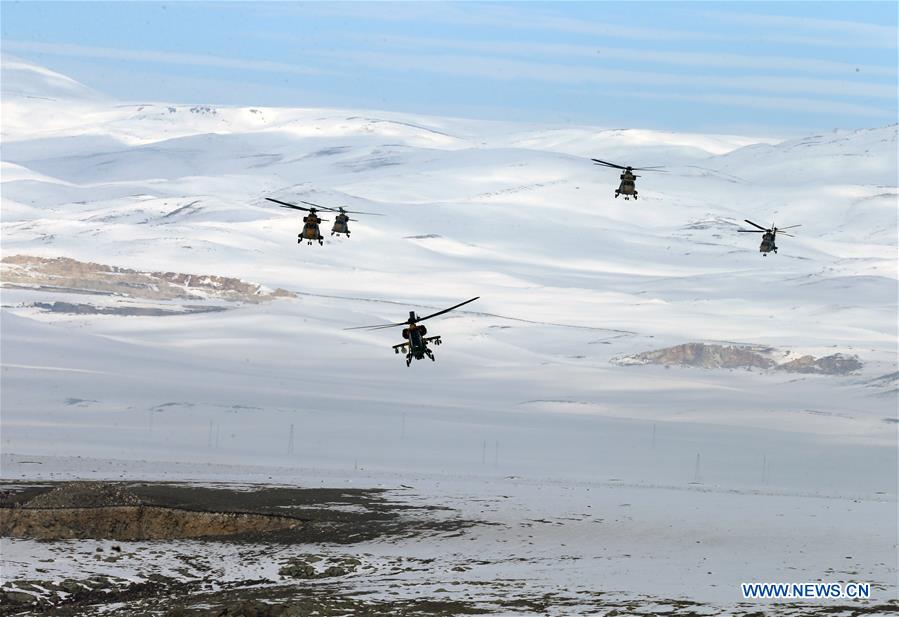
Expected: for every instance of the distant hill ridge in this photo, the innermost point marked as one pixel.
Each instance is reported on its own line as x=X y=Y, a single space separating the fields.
x=70 y=274
x=712 y=356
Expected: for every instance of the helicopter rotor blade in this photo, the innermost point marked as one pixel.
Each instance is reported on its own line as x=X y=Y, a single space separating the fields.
x=790 y=227
x=360 y=212
x=607 y=164
x=379 y=326
x=660 y=170
x=392 y=325
x=406 y=323
x=284 y=204
x=752 y=231
x=783 y=233
x=320 y=207
x=755 y=225
x=309 y=203
x=447 y=310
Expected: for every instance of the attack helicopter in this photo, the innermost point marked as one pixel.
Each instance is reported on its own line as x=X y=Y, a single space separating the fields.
x=311 y=221
x=770 y=234
x=628 y=186
x=416 y=345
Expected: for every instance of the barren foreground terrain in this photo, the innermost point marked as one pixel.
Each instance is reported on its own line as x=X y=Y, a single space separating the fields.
x=360 y=543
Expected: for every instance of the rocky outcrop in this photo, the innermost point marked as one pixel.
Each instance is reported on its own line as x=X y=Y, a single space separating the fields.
x=704 y=356
x=837 y=364
x=65 y=274
x=315 y=566
x=43 y=596
x=133 y=523
x=105 y=510
x=82 y=494
x=713 y=356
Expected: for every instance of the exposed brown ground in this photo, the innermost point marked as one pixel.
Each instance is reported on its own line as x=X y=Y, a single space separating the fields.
x=133 y=523
x=65 y=274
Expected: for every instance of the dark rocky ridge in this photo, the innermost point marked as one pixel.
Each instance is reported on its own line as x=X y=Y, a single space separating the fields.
x=713 y=356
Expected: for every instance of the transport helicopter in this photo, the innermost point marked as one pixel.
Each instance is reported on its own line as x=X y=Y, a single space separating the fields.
x=340 y=221
x=767 y=245
x=628 y=186
x=311 y=222
x=416 y=345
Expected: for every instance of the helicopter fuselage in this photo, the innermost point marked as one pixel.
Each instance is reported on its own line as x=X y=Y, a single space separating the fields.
x=341 y=225
x=628 y=185
x=311 y=231
x=768 y=245
x=417 y=346
x=415 y=334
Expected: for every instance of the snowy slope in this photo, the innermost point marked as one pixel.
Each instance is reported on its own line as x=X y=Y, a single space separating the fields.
x=24 y=80
x=500 y=211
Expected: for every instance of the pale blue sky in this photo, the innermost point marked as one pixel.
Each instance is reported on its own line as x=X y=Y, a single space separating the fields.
x=705 y=66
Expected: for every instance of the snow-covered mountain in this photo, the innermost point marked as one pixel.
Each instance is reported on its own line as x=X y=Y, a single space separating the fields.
x=568 y=276
x=28 y=81
x=569 y=279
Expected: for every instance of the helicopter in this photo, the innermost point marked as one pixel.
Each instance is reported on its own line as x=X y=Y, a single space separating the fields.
x=627 y=186
x=312 y=221
x=340 y=221
x=767 y=245
x=416 y=345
